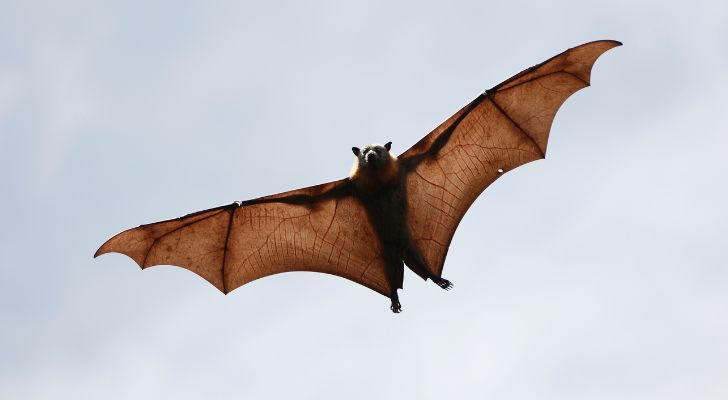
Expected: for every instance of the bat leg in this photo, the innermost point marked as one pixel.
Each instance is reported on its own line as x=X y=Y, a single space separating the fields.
x=417 y=264
x=395 y=272
x=395 y=307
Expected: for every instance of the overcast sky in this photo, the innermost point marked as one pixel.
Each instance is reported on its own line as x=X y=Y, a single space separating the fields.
x=598 y=273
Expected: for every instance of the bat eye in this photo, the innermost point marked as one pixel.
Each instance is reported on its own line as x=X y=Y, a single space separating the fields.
x=500 y=170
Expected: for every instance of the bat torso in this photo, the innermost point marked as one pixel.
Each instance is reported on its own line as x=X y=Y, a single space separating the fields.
x=387 y=212
x=381 y=192
x=383 y=195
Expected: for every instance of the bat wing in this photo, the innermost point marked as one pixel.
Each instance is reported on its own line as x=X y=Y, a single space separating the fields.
x=321 y=228
x=505 y=127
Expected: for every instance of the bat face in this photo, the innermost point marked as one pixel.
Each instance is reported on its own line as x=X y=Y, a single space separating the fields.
x=373 y=156
x=374 y=168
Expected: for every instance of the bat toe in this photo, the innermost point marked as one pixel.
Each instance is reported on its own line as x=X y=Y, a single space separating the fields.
x=445 y=284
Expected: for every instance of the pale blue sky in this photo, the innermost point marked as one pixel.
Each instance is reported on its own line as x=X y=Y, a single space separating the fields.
x=599 y=273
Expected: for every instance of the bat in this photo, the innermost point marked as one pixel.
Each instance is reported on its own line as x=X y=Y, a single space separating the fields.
x=389 y=212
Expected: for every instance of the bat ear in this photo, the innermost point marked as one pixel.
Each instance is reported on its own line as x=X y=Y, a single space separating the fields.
x=388 y=146
x=356 y=151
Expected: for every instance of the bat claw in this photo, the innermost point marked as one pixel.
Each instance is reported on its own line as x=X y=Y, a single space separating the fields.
x=445 y=284
x=396 y=307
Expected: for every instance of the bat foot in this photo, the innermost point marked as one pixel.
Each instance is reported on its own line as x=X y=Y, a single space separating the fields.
x=396 y=307
x=444 y=283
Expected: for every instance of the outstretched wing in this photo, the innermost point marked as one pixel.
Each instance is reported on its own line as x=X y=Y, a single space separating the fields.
x=503 y=128
x=321 y=229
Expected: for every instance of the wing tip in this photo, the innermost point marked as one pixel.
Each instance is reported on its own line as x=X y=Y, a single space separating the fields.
x=616 y=43
x=610 y=44
x=102 y=249
x=599 y=46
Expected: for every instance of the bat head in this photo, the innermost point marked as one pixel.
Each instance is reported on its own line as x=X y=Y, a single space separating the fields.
x=373 y=156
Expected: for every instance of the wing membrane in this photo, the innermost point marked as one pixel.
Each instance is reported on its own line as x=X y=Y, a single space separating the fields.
x=319 y=229
x=504 y=128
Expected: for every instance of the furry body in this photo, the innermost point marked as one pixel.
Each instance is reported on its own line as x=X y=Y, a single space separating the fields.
x=379 y=185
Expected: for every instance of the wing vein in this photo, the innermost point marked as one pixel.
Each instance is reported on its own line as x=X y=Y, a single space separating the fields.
x=519 y=127
x=498 y=88
x=156 y=239
x=225 y=249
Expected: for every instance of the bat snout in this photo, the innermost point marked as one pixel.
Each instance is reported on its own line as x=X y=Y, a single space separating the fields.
x=374 y=160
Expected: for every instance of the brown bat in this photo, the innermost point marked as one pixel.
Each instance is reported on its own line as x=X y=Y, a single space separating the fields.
x=389 y=212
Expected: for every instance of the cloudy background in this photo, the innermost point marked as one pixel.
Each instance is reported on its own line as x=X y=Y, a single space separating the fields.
x=599 y=273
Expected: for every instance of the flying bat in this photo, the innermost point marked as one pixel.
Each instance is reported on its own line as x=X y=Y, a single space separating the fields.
x=389 y=212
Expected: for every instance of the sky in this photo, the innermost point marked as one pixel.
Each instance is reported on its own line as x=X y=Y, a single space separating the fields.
x=600 y=272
